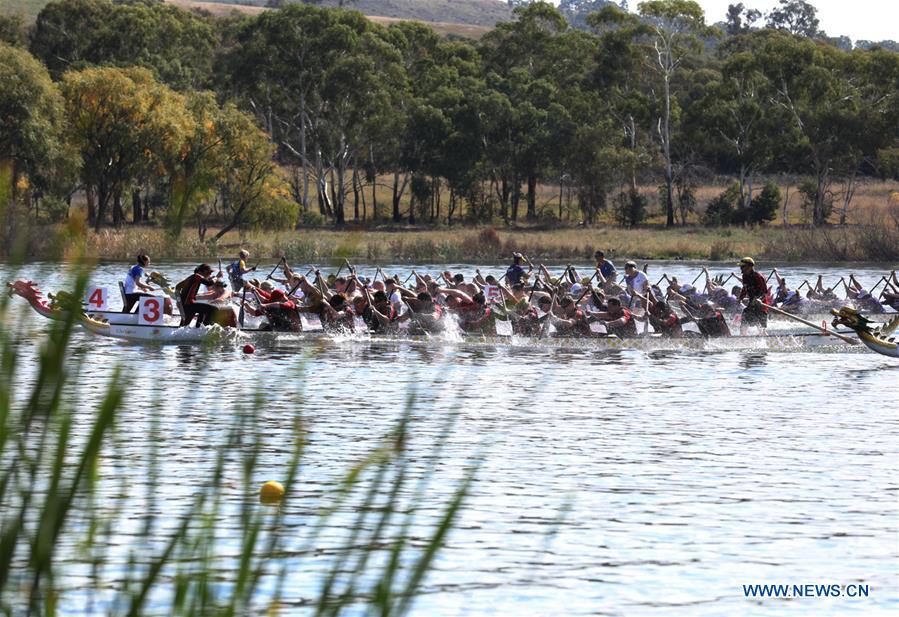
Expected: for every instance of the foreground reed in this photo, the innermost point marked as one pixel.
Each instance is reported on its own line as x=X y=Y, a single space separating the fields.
x=66 y=503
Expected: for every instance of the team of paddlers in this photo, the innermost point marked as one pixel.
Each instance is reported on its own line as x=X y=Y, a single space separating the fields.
x=526 y=300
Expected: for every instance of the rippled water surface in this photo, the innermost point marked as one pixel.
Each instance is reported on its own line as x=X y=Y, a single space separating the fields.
x=613 y=482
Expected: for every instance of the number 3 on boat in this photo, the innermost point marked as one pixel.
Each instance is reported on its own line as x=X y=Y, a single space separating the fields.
x=150 y=311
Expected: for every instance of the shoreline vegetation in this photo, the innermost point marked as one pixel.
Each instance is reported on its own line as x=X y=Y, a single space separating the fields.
x=400 y=244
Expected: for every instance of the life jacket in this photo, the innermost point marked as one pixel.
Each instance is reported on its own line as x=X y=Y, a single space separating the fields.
x=713 y=326
x=284 y=317
x=628 y=330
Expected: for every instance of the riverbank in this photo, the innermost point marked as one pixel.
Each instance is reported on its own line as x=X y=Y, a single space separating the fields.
x=485 y=244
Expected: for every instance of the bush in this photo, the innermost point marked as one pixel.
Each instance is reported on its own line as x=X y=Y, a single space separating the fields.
x=274 y=213
x=53 y=209
x=763 y=207
x=720 y=210
x=310 y=218
x=809 y=191
x=630 y=208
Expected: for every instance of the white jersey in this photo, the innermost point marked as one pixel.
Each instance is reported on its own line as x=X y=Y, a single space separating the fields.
x=638 y=282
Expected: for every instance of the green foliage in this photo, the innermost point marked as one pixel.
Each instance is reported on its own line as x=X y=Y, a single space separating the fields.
x=796 y=17
x=33 y=151
x=639 y=97
x=274 y=213
x=13 y=31
x=310 y=218
x=177 y=46
x=725 y=208
x=764 y=206
x=720 y=210
x=630 y=208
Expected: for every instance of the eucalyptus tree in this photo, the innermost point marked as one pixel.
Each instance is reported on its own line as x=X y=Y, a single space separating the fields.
x=675 y=27
x=314 y=78
x=121 y=119
x=521 y=63
x=176 y=45
x=796 y=17
x=32 y=129
x=820 y=97
x=732 y=122
x=618 y=77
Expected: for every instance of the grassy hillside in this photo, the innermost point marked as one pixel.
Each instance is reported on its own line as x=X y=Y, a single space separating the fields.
x=28 y=8
x=449 y=17
x=444 y=28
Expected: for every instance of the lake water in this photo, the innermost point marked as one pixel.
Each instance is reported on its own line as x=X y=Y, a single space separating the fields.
x=616 y=482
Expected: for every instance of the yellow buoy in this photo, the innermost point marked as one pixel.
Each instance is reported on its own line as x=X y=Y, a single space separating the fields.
x=271 y=492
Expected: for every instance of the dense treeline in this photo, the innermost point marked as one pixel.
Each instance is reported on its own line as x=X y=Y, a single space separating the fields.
x=292 y=116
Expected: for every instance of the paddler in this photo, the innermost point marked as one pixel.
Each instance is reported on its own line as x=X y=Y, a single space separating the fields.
x=755 y=290
x=516 y=271
x=188 y=290
x=280 y=311
x=617 y=319
x=134 y=285
x=238 y=268
x=605 y=267
x=709 y=320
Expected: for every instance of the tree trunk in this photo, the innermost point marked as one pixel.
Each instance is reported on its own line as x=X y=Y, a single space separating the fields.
x=118 y=214
x=396 y=197
x=532 y=196
x=666 y=146
x=337 y=195
x=516 y=196
x=819 y=216
x=91 y=205
x=364 y=204
x=561 y=187
x=102 y=201
x=374 y=183
x=742 y=180
x=848 y=193
x=135 y=206
x=437 y=197
x=412 y=205
x=786 y=204
x=451 y=206
x=303 y=154
x=355 y=194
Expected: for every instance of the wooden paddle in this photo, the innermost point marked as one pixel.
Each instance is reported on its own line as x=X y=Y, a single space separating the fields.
x=851 y=341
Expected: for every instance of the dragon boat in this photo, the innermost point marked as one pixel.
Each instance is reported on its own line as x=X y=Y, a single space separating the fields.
x=126 y=327
x=58 y=306
x=880 y=338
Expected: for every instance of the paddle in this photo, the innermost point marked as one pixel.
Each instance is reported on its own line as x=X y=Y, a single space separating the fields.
x=243 y=299
x=280 y=261
x=877 y=284
x=533 y=288
x=545 y=327
x=809 y=323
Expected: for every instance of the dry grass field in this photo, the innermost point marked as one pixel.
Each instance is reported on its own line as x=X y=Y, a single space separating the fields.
x=444 y=28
